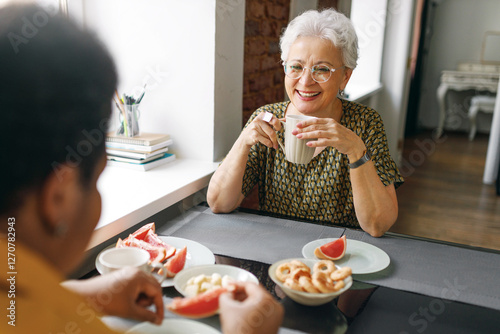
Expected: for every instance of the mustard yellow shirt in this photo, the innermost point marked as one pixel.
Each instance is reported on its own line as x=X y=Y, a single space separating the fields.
x=320 y=191
x=33 y=301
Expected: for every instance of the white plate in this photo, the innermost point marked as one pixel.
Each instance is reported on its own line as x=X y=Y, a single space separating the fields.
x=307 y=298
x=197 y=254
x=239 y=275
x=363 y=258
x=173 y=326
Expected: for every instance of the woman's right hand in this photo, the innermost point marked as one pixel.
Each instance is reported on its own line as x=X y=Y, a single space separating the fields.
x=262 y=129
x=250 y=309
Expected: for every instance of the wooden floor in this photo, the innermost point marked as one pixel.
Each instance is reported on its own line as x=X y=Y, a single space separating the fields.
x=443 y=196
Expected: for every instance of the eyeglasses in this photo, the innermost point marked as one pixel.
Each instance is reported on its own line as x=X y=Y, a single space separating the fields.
x=319 y=73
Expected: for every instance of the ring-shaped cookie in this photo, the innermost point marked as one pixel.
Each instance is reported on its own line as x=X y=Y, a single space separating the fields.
x=306 y=284
x=292 y=284
x=299 y=272
x=298 y=264
x=341 y=274
x=338 y=285
x=325 y=266
x=322 y=282
x=283 y=271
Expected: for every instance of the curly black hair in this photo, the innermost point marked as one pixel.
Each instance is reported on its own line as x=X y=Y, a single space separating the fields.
x=56 y=86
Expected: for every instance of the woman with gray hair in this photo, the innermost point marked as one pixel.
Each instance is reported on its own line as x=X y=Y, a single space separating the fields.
x=351 y=179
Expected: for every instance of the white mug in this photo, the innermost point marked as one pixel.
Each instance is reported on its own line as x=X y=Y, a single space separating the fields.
x=295 y=149
x=117 y=258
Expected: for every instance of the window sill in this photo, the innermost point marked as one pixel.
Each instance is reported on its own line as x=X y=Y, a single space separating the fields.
x=359 y=93
x=130 y=196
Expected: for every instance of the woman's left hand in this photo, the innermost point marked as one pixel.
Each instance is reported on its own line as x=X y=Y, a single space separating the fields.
x=329 y=132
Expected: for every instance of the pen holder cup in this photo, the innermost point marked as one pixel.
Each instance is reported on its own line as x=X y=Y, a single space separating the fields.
x=129 y=120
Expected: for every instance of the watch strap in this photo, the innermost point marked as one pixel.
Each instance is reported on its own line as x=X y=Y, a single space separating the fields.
x=366 y=157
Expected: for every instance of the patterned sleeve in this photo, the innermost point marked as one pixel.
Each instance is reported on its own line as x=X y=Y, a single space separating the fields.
x=376 y=142
x=252 y=169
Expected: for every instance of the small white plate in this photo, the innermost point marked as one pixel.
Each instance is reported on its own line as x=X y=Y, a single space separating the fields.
x=363 y=258
x=238 y=274
x=307 y=298
x=197 y=254
x=173 y=326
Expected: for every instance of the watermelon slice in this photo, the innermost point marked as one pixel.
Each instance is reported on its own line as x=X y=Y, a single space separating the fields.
x=153 y=239
x=176 y=263
x=200 y=306
x=333 y=250
x=156 y=254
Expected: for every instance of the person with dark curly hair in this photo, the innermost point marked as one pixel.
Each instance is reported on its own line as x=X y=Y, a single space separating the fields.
x=56 y=88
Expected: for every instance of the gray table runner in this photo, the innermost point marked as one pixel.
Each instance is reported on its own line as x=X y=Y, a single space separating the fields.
x=436 y=270
x=247 y=236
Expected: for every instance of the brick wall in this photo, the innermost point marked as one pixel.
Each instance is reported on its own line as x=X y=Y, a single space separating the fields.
x=327 y=4
x=263 y=73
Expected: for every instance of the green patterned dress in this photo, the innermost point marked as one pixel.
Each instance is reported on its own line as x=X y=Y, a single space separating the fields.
x=321 y=190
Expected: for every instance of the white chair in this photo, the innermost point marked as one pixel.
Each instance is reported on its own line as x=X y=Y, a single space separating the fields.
x=479 y=103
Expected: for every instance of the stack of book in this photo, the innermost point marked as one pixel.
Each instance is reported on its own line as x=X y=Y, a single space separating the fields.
x=142 y=152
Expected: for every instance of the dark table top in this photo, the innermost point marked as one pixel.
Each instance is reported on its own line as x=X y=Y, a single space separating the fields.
x=460 y=278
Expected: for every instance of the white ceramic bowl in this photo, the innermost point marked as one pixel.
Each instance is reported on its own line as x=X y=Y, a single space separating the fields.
x=307 y=298
x=238 y=274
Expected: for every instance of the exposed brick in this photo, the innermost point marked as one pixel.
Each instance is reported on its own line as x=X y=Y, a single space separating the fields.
x=327 y=4
x=249 y=104
x=252 y=64
x=252 y=28
x=260 y=82
x=279 y=78
x=266 y=28
x=269 y=63
x=260 y=101
x=274 y=47
x=269 y=95
x=277 y=11
x=256 y=9
x=280 y=29
x=256 y=46
x=279 y=94
x=246 y=88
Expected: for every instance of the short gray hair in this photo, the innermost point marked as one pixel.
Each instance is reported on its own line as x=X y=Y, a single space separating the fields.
x=327 y=24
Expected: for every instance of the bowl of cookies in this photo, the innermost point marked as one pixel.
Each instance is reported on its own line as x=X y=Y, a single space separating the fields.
x=311 y=282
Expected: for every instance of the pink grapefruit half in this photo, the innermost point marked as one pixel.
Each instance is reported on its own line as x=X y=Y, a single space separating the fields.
x=333 y=250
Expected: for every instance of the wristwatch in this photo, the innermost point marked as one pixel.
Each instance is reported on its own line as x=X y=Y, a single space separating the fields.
x=366 y=157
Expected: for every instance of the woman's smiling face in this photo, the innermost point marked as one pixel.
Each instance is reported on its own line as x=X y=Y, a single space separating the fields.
x=308 y=96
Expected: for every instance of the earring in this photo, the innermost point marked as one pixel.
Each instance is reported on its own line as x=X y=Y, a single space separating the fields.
x=60 y=230
x=341 y=93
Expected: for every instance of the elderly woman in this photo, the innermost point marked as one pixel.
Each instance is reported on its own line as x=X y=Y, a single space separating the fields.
x=55 y=101
x=351 y=179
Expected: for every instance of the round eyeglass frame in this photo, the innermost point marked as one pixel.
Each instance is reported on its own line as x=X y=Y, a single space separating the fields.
x=311 y=69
